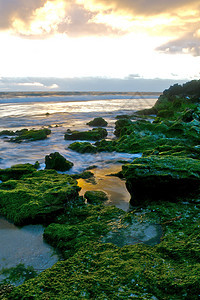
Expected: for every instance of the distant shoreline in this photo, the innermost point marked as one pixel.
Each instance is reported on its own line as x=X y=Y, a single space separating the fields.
x=7 y=95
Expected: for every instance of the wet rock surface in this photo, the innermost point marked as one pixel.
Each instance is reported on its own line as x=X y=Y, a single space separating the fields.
x=57 y=162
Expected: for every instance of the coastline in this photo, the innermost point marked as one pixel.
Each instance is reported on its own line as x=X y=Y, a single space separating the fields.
x=99 y=260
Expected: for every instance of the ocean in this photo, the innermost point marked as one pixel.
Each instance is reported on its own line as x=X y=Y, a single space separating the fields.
x=59 y=113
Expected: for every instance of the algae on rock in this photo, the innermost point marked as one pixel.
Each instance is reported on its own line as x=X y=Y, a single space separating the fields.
x=26 y=135
x=57 y=162
x=91 y=135
x=37 y=197
x=161 y=177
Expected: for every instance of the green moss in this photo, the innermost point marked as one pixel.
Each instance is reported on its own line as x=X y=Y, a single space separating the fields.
x=96 y=197
x=30 y=135
x=98 y=122
x=57 y=162
x=83 y=175
x=169 y=270
x=16 y=171
x=84 y=147
x=37 y=197
x=7 y=132
x=91 y=135
x=161 y=177
x=80 y=227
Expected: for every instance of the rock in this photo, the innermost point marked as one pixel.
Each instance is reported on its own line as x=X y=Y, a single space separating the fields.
x=84 y=147
x=57 y=162
x=165 y=113
x=121 y=125
x=92 y=135
x=155 y=178
x=83 y=175
x=188 y=115
x=98 y=122
x=37 y=164
x=7 y=133
x=96 y=197
x=37 y=197
x=16 y=171
x=30 y=135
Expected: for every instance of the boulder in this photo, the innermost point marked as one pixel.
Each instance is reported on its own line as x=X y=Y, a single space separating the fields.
x=37 y=197
x=96 y=197
x=161 y=177
x=91 y=135
x=16 y=171
x=30 y=135
x=57 y=162
x=98 y=122
x=84 y=147
x=121 y=125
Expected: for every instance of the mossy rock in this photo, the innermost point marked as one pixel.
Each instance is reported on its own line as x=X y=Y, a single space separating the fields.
x=57 y=162
x=80 y=226
x=5 y=290
x=98 y=122
x=37 y=197
x=30 y=135
x=91 y=135
x=162 y=177
x=83 y=175
x=120 y=125
x=104 y=271
x=96 y=270
x=16 y=171
x=84 y=147
x=165 y=113
x=96 y=197
x=7 y=133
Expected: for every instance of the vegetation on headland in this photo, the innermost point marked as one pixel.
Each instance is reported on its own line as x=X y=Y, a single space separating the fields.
x=170 y=270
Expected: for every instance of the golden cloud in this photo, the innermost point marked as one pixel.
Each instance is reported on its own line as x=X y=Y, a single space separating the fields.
x=176 y=19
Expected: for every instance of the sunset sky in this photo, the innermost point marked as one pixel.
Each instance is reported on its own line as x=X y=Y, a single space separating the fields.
x=130 y=40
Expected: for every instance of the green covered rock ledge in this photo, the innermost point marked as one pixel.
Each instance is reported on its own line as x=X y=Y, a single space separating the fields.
x=37 y=196
x=95 y=270
x=161 y=177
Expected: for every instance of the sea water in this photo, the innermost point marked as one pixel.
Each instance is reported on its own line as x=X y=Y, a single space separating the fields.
x=60 y=114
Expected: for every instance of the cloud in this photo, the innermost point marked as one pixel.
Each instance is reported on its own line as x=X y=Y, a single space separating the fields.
x=13 y=10
x=187 y=44
x=81 y=22
x=76 y=20
x=146 y=7
x=88 y=84
x=133 y=76
x=30 y=84
x=53 y=86
x=36 y=84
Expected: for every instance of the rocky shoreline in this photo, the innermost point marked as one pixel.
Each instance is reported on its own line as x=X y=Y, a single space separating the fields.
x=164 y=186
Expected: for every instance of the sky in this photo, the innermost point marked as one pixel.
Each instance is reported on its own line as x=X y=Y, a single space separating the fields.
x=98 y=44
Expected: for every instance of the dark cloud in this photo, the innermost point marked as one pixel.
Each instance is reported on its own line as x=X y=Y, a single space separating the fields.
x=86 y=84
x=148 y=7
x=10 y=10
x=185 y=45
x=81 y=22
